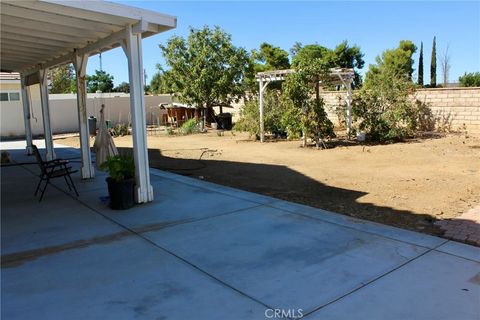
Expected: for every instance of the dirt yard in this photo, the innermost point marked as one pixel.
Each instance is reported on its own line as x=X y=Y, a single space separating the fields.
x=409 y=185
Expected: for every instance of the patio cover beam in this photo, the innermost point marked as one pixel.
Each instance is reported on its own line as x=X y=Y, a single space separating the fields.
x=50 y=27
x=114 y=40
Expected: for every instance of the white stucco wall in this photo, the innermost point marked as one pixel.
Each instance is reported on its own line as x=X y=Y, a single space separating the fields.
x=63 y=111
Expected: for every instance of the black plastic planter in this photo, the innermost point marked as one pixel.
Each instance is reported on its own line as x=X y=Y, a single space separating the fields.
x=121 y=193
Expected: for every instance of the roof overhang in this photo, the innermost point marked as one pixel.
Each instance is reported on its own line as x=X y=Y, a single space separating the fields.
x=42 y=34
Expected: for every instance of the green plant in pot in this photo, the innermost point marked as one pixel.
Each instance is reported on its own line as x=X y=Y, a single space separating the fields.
x=121 y=181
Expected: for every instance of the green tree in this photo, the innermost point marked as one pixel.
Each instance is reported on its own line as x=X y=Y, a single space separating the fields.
x=270 y=57
x=470 y=79
x=343 y=56
x=63 y=79
x=295 y=49
x=267 y=58
x=305 y=107
x=420 y=66
x=273 y=113
x=384 y=109
x=100 y=81
x=122 y=87
x=397 y=62
x=433 y=65
x=310 y=53
x=205 y=69
x=159 y=83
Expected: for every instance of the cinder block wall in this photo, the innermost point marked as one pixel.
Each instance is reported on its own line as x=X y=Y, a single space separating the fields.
x=452 y=109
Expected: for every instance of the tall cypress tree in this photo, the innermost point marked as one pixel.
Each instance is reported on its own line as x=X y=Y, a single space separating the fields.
x=420 y=66
x=433 y=65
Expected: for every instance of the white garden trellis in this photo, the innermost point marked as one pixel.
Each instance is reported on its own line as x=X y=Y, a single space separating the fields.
x=341 y=76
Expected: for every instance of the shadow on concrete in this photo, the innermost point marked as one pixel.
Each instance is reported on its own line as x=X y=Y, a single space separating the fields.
x=281 y=182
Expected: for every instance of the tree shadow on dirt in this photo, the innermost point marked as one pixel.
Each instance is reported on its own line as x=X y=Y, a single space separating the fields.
x=281 y=182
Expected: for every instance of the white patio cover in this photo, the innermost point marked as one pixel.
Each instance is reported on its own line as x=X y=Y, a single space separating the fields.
x=37 y=35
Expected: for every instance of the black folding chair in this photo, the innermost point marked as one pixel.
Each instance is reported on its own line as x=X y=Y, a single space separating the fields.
x=52 y=169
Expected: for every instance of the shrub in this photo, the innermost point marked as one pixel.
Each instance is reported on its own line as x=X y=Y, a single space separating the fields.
x=190 y=127
x=120 y=130
x=307 y=112
x=249 y=118
x=470 y=79
x=272 y=115
x=119 y=167
x=170 y=131
x=384 y=109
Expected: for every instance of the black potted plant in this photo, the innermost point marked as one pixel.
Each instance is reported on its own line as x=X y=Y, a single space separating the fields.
x=121 y=181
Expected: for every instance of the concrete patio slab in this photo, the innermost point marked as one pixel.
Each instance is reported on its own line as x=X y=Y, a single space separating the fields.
x=202 y=251
x=461 y=250
x=175 y=203
x=59 y=219
x=358 y=224
x=286 y=260
x=437 y=286
x=126 y=279
x=240 y=194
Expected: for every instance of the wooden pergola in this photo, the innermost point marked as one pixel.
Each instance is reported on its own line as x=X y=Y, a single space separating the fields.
x=340 y=76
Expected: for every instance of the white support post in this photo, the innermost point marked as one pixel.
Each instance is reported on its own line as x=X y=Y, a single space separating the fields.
x=349 y=119
x=133 y=51
x=80 y=63
x=47 y=129
x=26 y=114
x=262 y=134
x=260 y=98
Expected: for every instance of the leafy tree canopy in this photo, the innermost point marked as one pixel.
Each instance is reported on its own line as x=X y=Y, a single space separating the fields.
x=301 y=109
x=122 y=87
x=470 y=79
x=63 y=79
x=309 y=53
x=205 y=69
x=159 y=83
x=343 y=56
x=100 y=81
x=295 y=49
x=397 y=62
x=270 y=57
x=384 y=108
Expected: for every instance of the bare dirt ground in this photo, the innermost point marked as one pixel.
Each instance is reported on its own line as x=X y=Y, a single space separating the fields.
x=408 y=185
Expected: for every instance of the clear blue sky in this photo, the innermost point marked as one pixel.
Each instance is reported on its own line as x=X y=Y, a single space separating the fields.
x=374 y=26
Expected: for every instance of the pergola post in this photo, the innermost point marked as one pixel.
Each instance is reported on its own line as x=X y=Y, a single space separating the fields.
x=47 y=129
x=133 y=51
x=260 y=103
x=26 y=114
x=348 y=100
x=80 y=63
x=262 y=134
